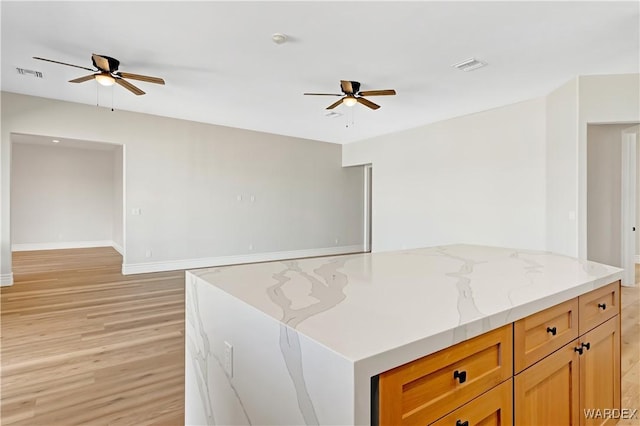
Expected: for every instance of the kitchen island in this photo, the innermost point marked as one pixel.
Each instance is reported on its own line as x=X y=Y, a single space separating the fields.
x=305 y=341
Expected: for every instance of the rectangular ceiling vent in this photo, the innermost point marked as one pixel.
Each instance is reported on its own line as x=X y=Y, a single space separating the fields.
x=24 y=71
x=470 y=65
x=332 y=114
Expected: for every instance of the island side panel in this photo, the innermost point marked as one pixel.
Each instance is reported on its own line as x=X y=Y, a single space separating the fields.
x=278 y=376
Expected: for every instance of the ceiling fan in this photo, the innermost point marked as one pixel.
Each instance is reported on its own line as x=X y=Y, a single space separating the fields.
x=106 y=73
x=352 y=95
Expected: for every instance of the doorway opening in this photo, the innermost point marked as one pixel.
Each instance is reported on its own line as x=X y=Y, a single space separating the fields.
x=612 y=196
x=66 y=193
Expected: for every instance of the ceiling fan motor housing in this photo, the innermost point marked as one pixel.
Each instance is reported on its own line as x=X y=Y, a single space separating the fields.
x=355 y=86
x=113 y=63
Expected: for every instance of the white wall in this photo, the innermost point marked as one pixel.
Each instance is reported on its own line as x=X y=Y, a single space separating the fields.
x=61 y=197
x=604 y=196
x=117 y=231
x=474 y=179
x=185 y=178
x=562 y=173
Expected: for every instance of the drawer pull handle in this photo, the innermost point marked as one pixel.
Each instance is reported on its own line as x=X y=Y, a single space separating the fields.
x=552 y=330
x=579 y=349
x=460 y=375
x=602 y=306
x=587 y=346
x=461 y=423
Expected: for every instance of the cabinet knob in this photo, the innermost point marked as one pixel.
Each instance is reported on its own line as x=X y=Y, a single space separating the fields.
x=460 y=375
x=587 y=346
x=602 y=306
x=461 y=423
x=579 y=349
x=552 y=330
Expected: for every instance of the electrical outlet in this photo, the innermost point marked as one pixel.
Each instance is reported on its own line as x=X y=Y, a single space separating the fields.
x=228 y=359
x=148 y=253
x=250 y=247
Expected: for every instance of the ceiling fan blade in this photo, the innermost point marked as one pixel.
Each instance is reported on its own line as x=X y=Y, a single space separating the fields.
x=378 y=92
x=83 y=79
x=139 y=77
x=368 y=103
x=347 y=87
x=130 y=87
x=335 y=104
x=323 y=94
x=101 y=62
x=63 y=63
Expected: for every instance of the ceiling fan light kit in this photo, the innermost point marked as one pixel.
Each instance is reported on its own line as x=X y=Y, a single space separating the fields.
x=107 y=74
x=105 y=79
x=352 y=95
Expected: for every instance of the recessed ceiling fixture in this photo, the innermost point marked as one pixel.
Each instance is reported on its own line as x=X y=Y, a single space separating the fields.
x=279 y=38
x=469 y=65
x=55 y=141
x=24 y=71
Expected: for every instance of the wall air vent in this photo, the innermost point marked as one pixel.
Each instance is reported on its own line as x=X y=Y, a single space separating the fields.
x=24 y=71
x=470 y=65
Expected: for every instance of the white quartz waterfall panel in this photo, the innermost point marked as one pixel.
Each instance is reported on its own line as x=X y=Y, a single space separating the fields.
x=279 y=377
x=309 y=334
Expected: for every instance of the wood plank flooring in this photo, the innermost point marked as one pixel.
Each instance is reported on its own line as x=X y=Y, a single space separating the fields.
x=83 y=344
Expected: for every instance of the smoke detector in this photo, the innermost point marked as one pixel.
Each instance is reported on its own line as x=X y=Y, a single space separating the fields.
x=469 y=65
x=279 y=38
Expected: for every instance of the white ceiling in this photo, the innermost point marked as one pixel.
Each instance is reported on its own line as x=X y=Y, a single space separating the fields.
x=221 y=66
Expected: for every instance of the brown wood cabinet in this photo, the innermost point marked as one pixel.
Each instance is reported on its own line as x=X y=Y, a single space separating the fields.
x=545 y=369
x=582 y=375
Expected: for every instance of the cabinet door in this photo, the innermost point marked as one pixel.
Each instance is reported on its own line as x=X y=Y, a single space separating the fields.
x=600 y=373
x=547 y=393
x=493 y=408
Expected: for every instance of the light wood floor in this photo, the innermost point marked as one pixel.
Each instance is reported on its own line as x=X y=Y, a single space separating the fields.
x=82 y=344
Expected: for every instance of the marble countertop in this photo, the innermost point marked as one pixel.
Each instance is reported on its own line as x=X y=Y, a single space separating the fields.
x=365 y=305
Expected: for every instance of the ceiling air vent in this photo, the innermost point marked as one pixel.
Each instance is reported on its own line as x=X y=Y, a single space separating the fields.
x=24 y=71
x=469 y=65
x=332 y=114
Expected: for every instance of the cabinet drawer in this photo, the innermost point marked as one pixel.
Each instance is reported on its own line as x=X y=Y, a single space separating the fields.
x=491 y=408
x=540 y=334
x=424 y=390
x=599 y=305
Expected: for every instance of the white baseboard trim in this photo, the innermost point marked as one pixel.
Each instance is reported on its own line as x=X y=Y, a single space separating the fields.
x=6 y=279
x=117 y=247
x=62 y=245
x=174 y=265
